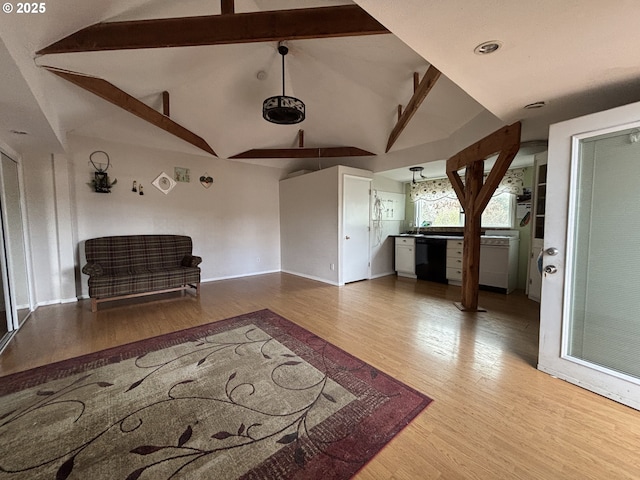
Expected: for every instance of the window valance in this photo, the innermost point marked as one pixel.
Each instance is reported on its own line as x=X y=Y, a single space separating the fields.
x=440 y=188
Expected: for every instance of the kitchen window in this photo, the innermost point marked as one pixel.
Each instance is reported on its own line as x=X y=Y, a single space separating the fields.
x=437 y=205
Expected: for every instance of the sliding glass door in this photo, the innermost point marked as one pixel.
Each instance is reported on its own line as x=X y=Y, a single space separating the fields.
x=16 y=299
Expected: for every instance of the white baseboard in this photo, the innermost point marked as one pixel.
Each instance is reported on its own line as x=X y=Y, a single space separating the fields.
x=311 y=277
x=57 y=301
x=386 y=274
x=229 y=277
x=204 y=280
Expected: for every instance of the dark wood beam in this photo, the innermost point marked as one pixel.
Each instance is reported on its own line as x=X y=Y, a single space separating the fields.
x=472 y=232
x=122 y=99
x=302 y=23
x=165 y=104
x=483 y=149
x=329 y=152
x=300 y=138
x=474 y=195
x=426 y=84
x=495 y=176
x=227 y=7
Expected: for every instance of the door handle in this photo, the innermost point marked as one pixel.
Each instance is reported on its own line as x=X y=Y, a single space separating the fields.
x=551 y=251
x=550 y=269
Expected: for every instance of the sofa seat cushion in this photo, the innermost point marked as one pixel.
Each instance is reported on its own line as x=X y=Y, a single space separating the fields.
x=138 y=280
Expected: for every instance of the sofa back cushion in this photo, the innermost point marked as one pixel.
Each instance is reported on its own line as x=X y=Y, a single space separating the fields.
x=137 y=252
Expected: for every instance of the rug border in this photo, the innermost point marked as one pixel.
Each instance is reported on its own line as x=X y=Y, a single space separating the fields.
x=16 y=381
x=58 y=370
x=12 y=382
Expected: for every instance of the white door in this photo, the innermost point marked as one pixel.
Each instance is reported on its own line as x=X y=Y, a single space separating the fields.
x=355 y=230
x=589 y=319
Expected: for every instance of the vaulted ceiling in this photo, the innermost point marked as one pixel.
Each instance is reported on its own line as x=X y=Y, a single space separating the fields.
x=569 y=54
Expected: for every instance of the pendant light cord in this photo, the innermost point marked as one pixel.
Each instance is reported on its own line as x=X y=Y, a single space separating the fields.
x=283 y=74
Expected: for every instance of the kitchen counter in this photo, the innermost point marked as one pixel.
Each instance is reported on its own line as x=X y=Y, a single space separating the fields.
x=422 y=235
x=439 y=258
x=453 y=237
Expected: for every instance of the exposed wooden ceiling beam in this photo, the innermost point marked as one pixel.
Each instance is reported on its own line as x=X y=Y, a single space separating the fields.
x=302 y=23
x=122 y=99
x=166 y=108
x=329 y=152
x=421 y=92
x=486 y=147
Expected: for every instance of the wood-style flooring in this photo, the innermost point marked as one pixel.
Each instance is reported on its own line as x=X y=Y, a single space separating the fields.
x=494 y=415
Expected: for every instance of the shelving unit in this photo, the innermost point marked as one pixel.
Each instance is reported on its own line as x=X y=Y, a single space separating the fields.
x=540 y=199
x=537 y=231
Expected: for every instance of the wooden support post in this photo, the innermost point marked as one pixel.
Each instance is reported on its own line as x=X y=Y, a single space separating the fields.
x=165 y=103
x=474 y=195
x=399 y=112
x=472 y=232
x=227 y=7
x=300 y=138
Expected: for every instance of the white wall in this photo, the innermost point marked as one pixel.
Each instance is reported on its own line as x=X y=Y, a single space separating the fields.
x=43 y=226
x=311 y=222
x=383 y=246
x=309 y=229
x=234 y=224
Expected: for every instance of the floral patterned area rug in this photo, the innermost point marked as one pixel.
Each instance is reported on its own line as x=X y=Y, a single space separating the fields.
x=250 y=397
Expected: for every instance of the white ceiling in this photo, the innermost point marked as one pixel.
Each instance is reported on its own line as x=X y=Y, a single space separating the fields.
x=576 y=55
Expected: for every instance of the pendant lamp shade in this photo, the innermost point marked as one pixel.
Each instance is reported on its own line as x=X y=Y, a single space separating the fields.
x=282 y=109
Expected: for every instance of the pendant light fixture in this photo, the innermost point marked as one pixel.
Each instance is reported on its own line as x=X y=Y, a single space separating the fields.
x=281 y=109
x=417 y=169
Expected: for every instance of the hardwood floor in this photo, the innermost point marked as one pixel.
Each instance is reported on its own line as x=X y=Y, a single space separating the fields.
x=494 y=416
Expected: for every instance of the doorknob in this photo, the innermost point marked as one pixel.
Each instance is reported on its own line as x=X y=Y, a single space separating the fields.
x=551 y=251
x=550 y=269
x=347 y=237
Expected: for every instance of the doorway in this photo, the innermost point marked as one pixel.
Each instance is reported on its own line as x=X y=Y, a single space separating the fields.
x=589 y=325
x=355 y=230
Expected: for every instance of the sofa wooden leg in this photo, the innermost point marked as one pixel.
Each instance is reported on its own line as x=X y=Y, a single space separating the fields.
x=94 y=305
x=198 y=289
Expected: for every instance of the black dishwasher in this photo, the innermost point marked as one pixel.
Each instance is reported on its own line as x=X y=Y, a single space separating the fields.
x=431 y=259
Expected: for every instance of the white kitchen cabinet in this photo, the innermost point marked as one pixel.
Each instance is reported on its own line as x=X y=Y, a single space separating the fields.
x=498 y=262
x=454 y=261
x=406 y=257
x=499 y=266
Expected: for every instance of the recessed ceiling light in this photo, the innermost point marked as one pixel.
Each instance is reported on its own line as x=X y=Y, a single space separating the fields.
x=486 y=48
x=534 y=105
x=19 y=132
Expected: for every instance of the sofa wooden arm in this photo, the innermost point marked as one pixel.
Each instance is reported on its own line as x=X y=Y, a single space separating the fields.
x=191 y=261
x=93 y=269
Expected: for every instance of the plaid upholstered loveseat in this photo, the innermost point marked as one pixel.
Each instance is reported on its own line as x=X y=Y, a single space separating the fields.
x=134 y=265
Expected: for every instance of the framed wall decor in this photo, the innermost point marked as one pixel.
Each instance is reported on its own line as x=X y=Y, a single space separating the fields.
x=206 y=180
x=164 y=183
x=182 y=174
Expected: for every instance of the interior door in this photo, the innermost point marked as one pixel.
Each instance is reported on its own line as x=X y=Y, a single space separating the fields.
x=589 y=323
x=355 y=231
